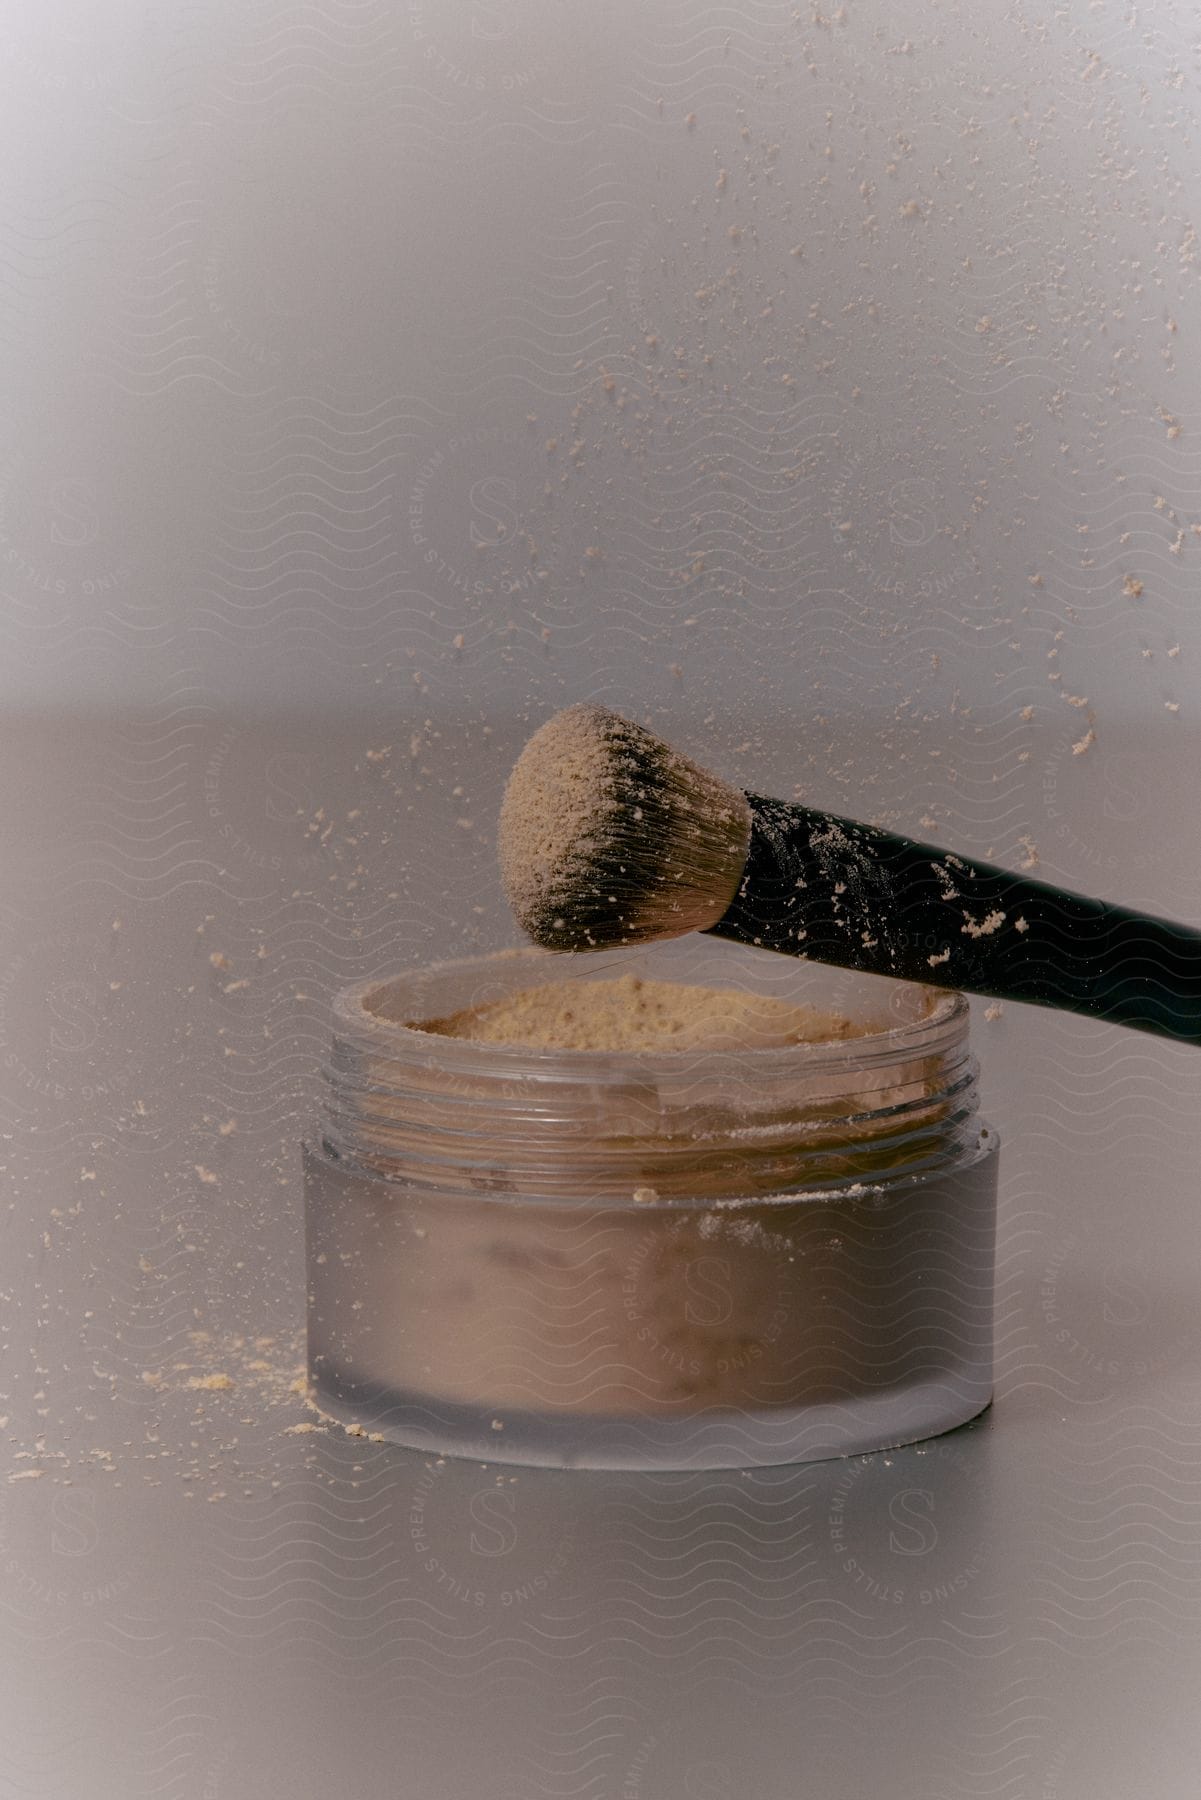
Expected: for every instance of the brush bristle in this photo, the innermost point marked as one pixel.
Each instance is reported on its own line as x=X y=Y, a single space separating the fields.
x=609 y=836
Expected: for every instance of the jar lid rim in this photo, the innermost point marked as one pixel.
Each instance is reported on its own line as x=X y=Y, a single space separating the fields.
x=947 y=1013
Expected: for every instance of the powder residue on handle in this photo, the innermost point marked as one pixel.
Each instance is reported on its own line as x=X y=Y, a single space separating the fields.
x=978 y=928
x=635 y=1013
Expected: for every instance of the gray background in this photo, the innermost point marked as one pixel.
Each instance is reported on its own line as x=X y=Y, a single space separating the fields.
x=816 y=384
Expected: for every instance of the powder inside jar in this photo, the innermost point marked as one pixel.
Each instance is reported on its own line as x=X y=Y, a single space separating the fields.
x=649 y=1258
x=634 y=1013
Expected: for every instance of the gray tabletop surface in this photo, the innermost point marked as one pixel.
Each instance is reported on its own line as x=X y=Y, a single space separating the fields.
x=197 y=1598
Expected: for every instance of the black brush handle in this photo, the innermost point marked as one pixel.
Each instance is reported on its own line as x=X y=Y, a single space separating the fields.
x=836 y=891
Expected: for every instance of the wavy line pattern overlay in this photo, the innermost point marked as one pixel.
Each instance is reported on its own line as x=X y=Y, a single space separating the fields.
x=817 y=382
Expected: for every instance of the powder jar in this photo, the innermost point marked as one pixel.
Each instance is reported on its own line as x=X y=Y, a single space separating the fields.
x=650 y=1259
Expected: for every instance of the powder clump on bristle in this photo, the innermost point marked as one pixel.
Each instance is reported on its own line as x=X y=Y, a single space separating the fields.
x=610 y=836
x=556 y=800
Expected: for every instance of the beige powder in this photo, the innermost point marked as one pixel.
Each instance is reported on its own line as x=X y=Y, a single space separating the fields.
x=633 y=1013
x=557 y=1261
x=609 y=835
x=557 y=798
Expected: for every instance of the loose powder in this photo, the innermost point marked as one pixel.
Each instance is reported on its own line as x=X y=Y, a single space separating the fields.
x=637 y=1243
x=634 y=1013
x=558 y=795
x=609 y=835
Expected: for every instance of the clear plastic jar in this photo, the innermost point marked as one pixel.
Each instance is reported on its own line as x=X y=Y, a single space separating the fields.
x=651 y=1259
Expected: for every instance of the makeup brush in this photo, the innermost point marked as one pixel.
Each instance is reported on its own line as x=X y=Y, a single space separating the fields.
x=609 y=835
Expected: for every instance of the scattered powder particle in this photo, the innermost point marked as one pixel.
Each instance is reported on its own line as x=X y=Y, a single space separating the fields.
x=1132 y=587
x=498 y=1424
x=27 y=1475
x=1030 y=860
x=1172 y=705
x=1027 y=712
x=644 y=1195
x=1020 y=925
x=211 y=1384
x=153 y=1377
x=1085 y=743
x=983 y=927
x=943 y=956
x=633 y=1013
x=300 y=1430
x=207 y=1175
x=219 y=960
x=994 y=1011
x=228 y=1128
x=235 y=987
